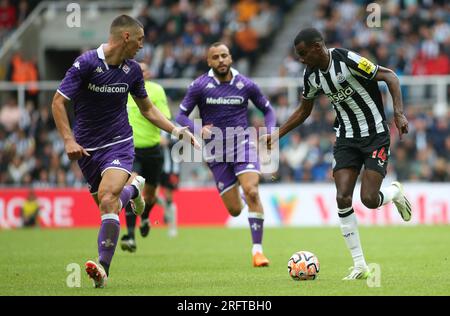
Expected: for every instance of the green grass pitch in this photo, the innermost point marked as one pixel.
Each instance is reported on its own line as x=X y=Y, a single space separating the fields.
x=217 y=262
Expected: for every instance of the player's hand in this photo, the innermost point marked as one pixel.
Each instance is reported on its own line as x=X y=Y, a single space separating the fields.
x=74 y=150
x=266 y=140
x=206 y=131
x=184 y=133
x=402 y=124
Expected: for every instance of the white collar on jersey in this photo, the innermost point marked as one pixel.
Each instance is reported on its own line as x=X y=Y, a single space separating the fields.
x=329 y=63
x=101 y=55
x=234 y=72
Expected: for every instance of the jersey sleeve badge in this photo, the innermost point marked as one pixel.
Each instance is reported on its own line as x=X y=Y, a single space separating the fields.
x=366 y=65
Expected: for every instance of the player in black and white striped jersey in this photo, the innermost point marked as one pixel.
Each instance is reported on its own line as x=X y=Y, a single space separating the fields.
x=351 y=83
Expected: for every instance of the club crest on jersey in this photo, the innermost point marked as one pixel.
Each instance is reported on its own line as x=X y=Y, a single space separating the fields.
x=240 y=85
x=340 y=77
x=126 y=69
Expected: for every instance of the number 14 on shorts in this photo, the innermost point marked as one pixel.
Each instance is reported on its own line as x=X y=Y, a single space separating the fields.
x=380 y=154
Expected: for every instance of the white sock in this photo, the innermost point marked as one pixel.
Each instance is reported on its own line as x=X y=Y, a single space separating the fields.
x=110 y=216
x=349 y=229
x=254 y=214
x=244 y=208
x=257 y=248
x=387 y=194
x=173 y=222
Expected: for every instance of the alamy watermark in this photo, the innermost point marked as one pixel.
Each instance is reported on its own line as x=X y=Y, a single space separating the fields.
x=230 y=144
x=73 y=19
x=374 y=17
x=374 y=279
x=74 y=277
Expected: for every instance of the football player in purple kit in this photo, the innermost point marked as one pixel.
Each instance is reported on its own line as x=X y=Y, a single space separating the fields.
x=98 y=84
x=222 y=97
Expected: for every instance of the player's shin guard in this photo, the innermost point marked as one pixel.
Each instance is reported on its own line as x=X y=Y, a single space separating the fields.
x=256 y=222
x=107 y=239
x=349 y=229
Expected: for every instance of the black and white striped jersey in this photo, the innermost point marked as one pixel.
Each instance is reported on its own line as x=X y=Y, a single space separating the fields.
x=350 y=86
x=169 y=166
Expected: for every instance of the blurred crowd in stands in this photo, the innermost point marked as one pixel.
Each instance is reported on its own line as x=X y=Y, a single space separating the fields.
x=12 y=14
x=414 y=39
x=178 y=33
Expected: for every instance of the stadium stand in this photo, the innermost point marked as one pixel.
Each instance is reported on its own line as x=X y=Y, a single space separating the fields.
x=177 y=34
x=12 y=14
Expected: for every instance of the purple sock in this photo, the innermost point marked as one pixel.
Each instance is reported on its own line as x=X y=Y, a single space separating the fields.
x=129 y=192
x=107 y=239
x=256 y=221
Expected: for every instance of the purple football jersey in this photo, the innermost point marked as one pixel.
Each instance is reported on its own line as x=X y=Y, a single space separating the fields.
x=223 y=104
x=99 y=93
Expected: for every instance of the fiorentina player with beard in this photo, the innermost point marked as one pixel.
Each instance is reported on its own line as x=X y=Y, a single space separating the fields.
x=222 y=97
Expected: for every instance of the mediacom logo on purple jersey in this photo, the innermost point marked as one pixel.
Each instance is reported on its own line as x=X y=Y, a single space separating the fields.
x=109 y=88
x=232 y=100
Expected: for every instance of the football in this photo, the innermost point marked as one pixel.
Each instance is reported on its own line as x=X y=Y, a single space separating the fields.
x=303 y=265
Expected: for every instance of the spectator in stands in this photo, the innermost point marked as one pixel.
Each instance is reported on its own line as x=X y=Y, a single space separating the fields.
x=406 y=31
x=22 y=70
x=246 y=40
x=10 y=115
x=8 y=18
x=23 y=10
x=247 y=10
x=295 y=154
x=158 y=13
x=440 y=171
x=30 y=210
x=402 y=165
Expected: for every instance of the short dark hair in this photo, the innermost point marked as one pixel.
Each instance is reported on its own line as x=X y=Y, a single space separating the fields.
x=308 y=36
x=124 y=21
x=217 y=44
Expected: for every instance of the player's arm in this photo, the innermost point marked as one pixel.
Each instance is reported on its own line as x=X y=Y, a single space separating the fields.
x=310 y=91
x=393 y=83
x=296 y=119
x=151 y=113
x=68 y=90
x=189 y=102
x=73 y=149
x=263 y=104
x=362 y=67
x=183 y=119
